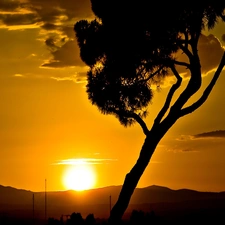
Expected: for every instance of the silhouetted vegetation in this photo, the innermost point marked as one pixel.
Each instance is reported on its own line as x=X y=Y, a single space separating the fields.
x=132 y=47
x=136 y=217
x=139 y=217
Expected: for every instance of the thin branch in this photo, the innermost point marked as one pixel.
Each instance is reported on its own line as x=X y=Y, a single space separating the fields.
x=140 y=121
x=181 y=63
x=169 y=96
x=192 y=87
x=183 y=44
x=206 y=92
x=152 y=75
x=185 y=50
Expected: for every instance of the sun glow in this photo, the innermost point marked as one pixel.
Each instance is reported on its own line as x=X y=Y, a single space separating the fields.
x=79 y=177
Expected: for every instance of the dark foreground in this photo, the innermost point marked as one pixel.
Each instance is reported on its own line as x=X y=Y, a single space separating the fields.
x=137 y=217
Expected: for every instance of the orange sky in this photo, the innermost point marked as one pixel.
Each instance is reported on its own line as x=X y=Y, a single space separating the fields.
x=46 y=118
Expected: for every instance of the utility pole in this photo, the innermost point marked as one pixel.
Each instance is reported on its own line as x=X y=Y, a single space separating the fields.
x=45 y=200
x=110 y=200
x=33 y=208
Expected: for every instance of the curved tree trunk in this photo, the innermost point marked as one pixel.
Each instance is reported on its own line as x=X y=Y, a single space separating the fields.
x=131 y=180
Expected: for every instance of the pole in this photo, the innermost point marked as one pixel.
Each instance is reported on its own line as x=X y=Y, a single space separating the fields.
x=45 y=200
x=110 y=205
x=33 y=208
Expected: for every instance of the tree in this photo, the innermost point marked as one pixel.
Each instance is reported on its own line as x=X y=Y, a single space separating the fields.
x=132 y=46
x=75 y=219
x=90 y=219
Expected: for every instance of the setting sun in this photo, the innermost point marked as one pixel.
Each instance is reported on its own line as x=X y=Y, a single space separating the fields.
x=79 y=177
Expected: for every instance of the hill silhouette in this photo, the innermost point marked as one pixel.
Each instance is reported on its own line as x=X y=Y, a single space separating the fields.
x=164 y=201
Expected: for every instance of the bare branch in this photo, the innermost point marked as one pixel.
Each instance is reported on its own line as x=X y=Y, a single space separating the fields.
x=140 y=121
x=134 y=116
x=182 y=64
x=192 y=87
x=206 y=92
x=169 y=96
x=186 y=51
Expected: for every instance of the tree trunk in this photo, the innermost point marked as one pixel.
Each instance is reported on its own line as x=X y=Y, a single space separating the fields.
x=132 y=178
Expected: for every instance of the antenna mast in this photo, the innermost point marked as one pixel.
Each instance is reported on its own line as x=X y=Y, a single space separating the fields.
x=110 y=204
x=33 y=207
x=45 y=200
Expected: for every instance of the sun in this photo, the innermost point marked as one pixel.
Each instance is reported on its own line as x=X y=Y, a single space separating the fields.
x=79 y=177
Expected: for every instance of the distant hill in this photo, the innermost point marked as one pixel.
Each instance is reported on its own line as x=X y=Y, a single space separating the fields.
x=162 y=200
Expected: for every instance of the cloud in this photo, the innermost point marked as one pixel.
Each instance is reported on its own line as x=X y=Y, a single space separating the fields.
x=66 y=55
x=56 y=18
x=10 y=5
x=19 y=19
x=18 y=75
x=210 y=52
x=223 y=37
x=211 y=134
x=75 y=78
x=82 y=161
x=206 y=135
x=182 y=149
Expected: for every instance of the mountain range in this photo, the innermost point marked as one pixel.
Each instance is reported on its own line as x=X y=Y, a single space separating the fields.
x=162 y=201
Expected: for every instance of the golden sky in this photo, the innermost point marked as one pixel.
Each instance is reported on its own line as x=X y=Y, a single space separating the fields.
x=47 y=123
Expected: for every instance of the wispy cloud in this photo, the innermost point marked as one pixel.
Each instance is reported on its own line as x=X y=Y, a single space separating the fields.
x=78 y=78
x=18 y=75
x=182 y=149
x=217 y=134
x=83 y=161
x=184 y=138
x=70 y=78
x=210 y=134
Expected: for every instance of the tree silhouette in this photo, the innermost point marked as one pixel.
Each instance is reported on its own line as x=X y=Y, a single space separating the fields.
x=90 y=219
x=75 y=219
x=131 y=47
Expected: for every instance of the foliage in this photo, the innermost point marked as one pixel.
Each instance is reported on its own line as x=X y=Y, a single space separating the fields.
x=130 y=46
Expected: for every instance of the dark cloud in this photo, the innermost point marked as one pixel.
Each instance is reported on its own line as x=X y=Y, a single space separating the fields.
x=65 y=56
x=9 y=5
x=223 y=37
x=19 y=19
x=211 y=134
x=210 y=53
x=51 y=12
x=50 y=42
x=61 y=12
x=50 y=26
x=57 y=17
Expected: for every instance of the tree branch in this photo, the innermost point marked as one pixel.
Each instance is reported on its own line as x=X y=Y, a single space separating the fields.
x=140 y=121
x=182 y=63
x=152 y=75
x=193 y=85
x=186 y=51
x=206 y=92
x=169 y=96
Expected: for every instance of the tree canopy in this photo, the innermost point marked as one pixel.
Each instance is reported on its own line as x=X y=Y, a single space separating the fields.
x=130 y=46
